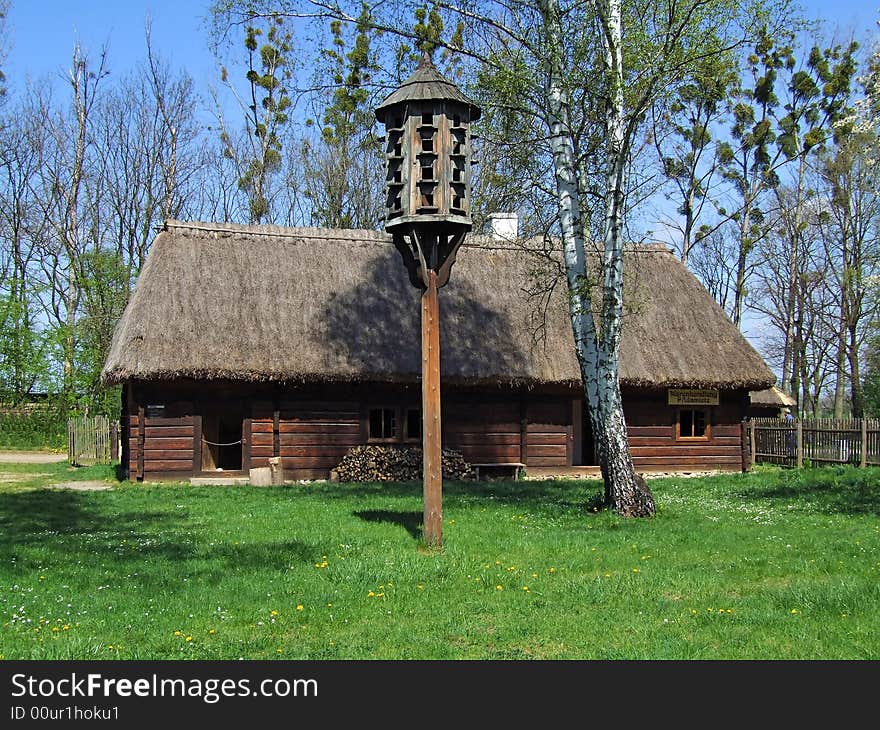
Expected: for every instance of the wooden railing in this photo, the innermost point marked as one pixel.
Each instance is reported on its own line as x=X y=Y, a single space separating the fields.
x=92 y=440
x=854 y=441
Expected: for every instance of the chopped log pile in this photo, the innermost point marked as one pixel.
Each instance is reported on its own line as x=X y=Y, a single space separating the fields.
x=396 y=464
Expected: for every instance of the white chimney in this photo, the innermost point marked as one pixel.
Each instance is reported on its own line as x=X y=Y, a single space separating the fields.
x=503 y=226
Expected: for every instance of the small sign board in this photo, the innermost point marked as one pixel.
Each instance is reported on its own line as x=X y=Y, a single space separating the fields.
x=154 y=410
x=693 y=396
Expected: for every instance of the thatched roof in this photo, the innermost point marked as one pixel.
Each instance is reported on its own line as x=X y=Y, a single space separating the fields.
x=303 y=304
x=771 y=398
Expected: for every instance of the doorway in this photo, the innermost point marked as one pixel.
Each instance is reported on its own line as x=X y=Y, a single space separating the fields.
x=584 y=452
x=221 y=442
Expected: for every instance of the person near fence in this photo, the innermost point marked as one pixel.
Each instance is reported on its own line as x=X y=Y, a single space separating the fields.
x=791 y=435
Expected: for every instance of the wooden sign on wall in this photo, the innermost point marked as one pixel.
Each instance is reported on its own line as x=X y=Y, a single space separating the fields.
x=693 y=396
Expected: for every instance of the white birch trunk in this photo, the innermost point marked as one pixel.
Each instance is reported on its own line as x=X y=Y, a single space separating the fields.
x=597 y=351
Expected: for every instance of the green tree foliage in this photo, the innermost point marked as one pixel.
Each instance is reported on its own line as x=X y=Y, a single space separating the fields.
x=267 y=106
x=342 y=169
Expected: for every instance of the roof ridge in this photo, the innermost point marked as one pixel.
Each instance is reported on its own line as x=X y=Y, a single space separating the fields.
x=482 y=241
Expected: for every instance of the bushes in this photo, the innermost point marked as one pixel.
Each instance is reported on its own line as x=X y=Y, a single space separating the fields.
x=43 y=427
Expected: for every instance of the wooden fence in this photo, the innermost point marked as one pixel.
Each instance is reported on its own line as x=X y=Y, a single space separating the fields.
x=92 y=440
x=854 y=441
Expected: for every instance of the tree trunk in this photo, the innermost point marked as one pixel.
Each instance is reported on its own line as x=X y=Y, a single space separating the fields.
x=855 y=376
x=598 y=360
x=626 y=492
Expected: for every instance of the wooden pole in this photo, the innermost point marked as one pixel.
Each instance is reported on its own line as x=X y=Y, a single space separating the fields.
x=863 y=456
x=752 y=440
x=431 y=447
x=800 y=443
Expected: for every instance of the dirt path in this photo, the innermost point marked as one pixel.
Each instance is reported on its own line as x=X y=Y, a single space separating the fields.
x=30 y=457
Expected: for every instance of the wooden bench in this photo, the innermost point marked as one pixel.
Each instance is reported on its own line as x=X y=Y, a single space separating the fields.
x=502 y=470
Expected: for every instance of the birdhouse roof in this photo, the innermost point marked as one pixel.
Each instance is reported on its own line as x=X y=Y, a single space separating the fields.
x=426 y=84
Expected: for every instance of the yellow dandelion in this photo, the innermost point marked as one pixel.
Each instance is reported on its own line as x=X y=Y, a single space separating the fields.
x=188 y=638
x=526 y=589
x=552 y=570
x=370 y=594
x=212 y=631
x=273 y=613
x=607 y=575
x=55 y=629
x=109 y=647
x=693 y=612
x=299 y=607
x=421 y=587
x=636 y=570
x=280 y=651
x=66 y=627
x=42 y=577
x=178 y=633
x=794 y=611
x=499 y=588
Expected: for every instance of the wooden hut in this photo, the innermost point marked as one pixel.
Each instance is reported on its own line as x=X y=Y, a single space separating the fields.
x=769 y=403
x=241 y=343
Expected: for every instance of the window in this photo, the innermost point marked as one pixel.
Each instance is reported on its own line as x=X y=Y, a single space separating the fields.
x=693 y=423
x=383 y=424
x=413 y=424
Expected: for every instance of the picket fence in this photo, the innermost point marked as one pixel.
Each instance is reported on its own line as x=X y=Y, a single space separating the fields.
x=92 y=440
x=854 y=441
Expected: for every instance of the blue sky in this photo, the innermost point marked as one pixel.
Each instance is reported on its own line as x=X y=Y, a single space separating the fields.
x=41 y=33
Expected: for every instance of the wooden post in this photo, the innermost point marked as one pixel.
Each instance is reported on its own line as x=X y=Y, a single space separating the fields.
x=114 y=441
x=431 y=447
x=141 y=440
x=752 y=441
x=745 y=456
x=799 y=425
x=863 y=456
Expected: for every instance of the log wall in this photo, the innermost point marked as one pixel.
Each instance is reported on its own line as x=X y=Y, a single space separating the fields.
x=651 y=427
x=311 y=434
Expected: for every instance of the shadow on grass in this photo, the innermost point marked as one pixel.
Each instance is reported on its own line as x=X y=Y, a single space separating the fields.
x=832 y=490
x=74 y=526
x=409 y=521
x=555 y=492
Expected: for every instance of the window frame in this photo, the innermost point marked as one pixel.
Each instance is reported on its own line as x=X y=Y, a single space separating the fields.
x=401 y=424
x=383 y=439
x=707 y=433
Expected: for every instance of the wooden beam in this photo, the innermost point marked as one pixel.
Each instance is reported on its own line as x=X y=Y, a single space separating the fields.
x=197 y=444
x=863 y=457
x=523 y=429
x=142 y=427
x=431 y=426
x=799 y=425
x=246 y=445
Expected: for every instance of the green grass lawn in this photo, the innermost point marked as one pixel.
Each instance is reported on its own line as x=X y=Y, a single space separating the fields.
x=770 y=565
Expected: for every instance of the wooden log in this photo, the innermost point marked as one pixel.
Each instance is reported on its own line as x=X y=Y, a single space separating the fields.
x=432 y=487
x=863 y=454
x=799 y=425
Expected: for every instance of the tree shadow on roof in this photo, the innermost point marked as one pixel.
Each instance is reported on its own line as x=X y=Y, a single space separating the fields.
x=375 y=328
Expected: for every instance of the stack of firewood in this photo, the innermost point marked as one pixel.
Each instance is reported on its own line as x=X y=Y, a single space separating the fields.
x=396 y=464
